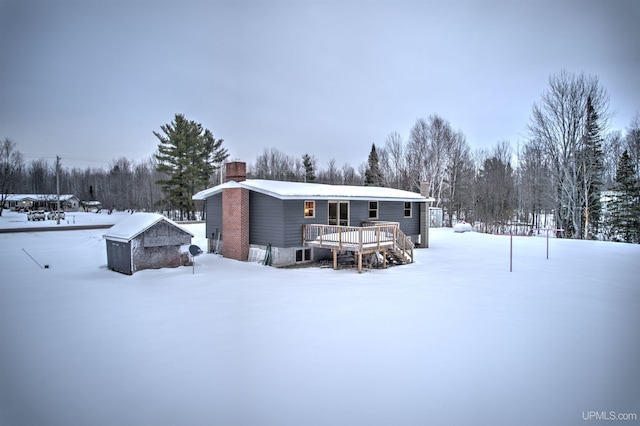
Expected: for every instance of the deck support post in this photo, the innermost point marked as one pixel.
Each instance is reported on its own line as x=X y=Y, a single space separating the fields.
x=384 y=259
x=335 y=258
x=359 y=262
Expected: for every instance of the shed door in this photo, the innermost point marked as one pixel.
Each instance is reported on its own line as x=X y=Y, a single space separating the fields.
x=339 y=213
x=120 y=257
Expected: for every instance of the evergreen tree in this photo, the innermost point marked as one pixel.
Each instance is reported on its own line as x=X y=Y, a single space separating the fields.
x=625 y=209
x=188 y=155
x=372 y=174
x=309 y=168
x=592 y=171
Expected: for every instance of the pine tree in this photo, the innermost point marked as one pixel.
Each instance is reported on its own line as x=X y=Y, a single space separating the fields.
x=591 y=172
x=309 y=168
x=188 y=155
x=625 y=210
x=373 y=175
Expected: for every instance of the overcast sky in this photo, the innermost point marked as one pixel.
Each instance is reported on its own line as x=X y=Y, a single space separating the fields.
x=92 y=80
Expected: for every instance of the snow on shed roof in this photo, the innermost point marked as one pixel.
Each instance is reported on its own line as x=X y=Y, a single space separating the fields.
x=129 y=228
x=300 y=190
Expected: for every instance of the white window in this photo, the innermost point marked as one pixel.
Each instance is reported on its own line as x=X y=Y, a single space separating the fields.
x=407 y=209
x=373 y=209
x=303 y=255
x=309 y=209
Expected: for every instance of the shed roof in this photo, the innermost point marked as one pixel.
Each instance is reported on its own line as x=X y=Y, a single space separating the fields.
x=300 y=190
x=134 y=225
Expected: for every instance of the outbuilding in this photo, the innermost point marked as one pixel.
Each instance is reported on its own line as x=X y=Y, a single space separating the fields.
x=146 y=241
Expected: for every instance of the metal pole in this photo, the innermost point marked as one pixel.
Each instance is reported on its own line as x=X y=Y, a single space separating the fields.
x=547 y=243
x=511 y=252
x=58 y=190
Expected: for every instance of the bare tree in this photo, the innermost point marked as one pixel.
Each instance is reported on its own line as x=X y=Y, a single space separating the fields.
x=559 y=125
x=429 y=153
x=332 y=175
x=349 y=175
x=395 y=159
x=417 y=153
x=459 y=178
x=535 y=189
x=10 y=167
x=276 y=165
x=43 y=178
x=496 y=190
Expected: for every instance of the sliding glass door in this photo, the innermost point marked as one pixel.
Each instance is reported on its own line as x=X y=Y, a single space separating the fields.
x=339 y=213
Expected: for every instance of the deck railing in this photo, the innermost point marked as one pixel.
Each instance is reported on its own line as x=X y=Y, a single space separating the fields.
x=372 y=236
x=353 y=238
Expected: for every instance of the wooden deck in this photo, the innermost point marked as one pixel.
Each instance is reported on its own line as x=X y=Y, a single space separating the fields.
x=372 y=237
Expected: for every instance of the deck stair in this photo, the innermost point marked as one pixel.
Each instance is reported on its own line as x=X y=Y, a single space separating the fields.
x=385 y=238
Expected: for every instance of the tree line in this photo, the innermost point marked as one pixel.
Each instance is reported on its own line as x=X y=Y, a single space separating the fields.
x=185 y=162
x=559 y=177
x=571 y=173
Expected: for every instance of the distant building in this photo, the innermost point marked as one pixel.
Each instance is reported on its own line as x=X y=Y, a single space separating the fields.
x=19 y=202
x=91 y=205
x=146 y=241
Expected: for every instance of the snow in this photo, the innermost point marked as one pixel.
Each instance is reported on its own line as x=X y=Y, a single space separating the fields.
x=135 y=224
x=453 y=338
x=38 y=197
x=462 y=227
x=300 y=190
x=11 y=219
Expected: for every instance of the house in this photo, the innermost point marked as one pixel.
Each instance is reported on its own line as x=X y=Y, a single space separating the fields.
x=303 y=222
x=88 y=206
x=20 y=202
x=146 y=241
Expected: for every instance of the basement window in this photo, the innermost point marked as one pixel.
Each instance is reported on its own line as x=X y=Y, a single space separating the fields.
x=303 y=255
x=407 y=209
x=309 y=209
x=373 y=209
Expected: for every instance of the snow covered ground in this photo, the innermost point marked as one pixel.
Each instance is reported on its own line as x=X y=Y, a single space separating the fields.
x=454 y=338
x=11 y=219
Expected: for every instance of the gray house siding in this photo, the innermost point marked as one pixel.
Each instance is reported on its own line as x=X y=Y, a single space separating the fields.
x=279 y=222
x=294 y=219
x=393 y=211
x=266 y=221
x=214 y=215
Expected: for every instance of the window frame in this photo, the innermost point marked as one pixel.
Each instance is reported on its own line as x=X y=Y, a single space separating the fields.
x=376 y=210
x=312 y=209
x=304 y=254
x=410 y=209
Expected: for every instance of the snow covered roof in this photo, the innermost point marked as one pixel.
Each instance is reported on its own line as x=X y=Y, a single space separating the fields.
x=129 y=228
x=300 y=190
x=39 y=197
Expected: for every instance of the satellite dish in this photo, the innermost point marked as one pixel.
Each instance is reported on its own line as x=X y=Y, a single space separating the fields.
x=194 y=250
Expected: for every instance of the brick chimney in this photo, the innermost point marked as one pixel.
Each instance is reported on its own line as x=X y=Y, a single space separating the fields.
x=235 y=214
x=237 y=171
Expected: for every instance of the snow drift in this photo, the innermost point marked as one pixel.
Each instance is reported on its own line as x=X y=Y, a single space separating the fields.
x=462 y=227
